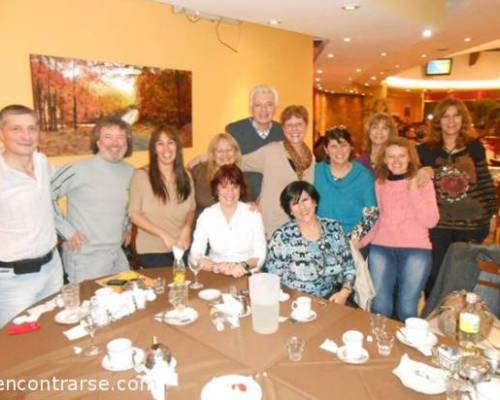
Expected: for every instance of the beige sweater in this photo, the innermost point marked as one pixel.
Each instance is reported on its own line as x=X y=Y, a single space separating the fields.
x=272 y=161
x=170 y=216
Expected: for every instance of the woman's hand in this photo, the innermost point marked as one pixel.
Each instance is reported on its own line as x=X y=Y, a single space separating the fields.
x=207 y=264
x=168 y=240
x=341 y=296
x=424 y=175
x=184 y=240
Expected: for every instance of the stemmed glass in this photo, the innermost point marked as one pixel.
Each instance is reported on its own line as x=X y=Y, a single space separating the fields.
x=91 y=327
x=195 y=266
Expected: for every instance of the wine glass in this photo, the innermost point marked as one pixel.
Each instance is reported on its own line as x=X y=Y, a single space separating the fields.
x=91 y=327
x=195 y=266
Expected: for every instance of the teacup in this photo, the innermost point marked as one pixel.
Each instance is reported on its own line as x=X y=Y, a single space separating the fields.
x=416 y=330
x=120 y=352
x=301 y=307
x=353 y=342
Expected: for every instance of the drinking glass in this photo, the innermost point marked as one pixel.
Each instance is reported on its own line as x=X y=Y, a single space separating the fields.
x=195 y=266
x=159 y=285
x=177 y=296
x=377 y=324
x=295 y=346
x=384 y=343
x=91 y=327
x=71 y=297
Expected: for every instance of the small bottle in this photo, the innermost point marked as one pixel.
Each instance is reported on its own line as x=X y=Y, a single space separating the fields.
x=469 y=323
x=179 y=271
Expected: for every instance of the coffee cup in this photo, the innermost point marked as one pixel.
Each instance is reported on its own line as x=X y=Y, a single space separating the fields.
x=120 y=352
x=301 y=307
x=416 y=330
x=353 y=342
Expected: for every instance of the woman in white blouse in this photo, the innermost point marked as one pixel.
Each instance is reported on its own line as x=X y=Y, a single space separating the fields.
x=233 y=230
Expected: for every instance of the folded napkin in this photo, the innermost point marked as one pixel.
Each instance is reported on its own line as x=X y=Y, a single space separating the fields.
x=420 y=377
x=76 y=332
x=284 y=296
x=426 y=350
x=231 y=309
x=35 y=312
x=178 y=252
x=329 y=345
x=160 y=377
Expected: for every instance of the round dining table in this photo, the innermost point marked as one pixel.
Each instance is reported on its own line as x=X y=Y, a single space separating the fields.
x=44 y=365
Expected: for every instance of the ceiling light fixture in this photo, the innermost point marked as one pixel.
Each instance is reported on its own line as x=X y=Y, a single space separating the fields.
x=366 y=84
x=274 y=21
x=330 y=55
x=423 y=55
x=358 y=69
x=350 y=7
x=467 y=39
x=318 y=79
x=373 y=78
x=383 y=54
x=319 y=71
x=427 y=33
x=347 y=39
x=396 y=66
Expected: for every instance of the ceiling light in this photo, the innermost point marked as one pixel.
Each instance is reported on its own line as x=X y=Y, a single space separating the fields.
x=318 y=79
x=350 y=7
x=396 y=66
x=423 y=55
x=347 y=39
x=373 y=78
x=319 y=71
x=467 y=39
x=350 y=78
x=383 y=54
x=366 y=84
x=427 y=33
x=274 y=21
x=330 y=55
x=358 y=69
x=381 y=72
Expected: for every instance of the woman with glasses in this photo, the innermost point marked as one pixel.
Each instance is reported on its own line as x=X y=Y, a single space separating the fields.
x=281 y=163
x=346 y=188
x=310 y=254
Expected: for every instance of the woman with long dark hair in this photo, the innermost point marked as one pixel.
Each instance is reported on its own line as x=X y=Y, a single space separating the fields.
x=161 y=201
x=464 y=187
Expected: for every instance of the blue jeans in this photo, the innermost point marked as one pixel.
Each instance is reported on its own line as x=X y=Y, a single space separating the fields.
x=21 y=291
x=399 y=275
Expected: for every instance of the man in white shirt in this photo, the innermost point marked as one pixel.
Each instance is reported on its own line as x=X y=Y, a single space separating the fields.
x=30 y=267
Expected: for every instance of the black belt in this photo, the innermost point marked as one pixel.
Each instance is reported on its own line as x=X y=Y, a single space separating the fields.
x=29 y=265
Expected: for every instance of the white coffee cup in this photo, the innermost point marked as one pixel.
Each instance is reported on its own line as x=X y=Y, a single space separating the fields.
x=301 y=307
x=120 y=352
x=353 y=342
x=416 y=330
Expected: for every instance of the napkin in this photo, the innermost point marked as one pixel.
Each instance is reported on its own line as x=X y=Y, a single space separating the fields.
x=178 y=252
x=329 y=345
x=284 y=296
x=35 y=312
x=76 y=332
x=420 y=377
x=231 y=308
x=425 y=350
x=159 y=377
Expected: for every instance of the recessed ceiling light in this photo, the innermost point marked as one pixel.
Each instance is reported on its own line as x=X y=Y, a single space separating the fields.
x=396 y=66
x=319 y=71
x=318 y=79
x=373 y=78
x=381 y=72
x=383 y=54
x=330 y=55
x=366 y=84
x=350 y=7
x=347 y=39
x=467 y=39
x=274 y=21
x=427 y=33
x=358 y=69
x=423 y=55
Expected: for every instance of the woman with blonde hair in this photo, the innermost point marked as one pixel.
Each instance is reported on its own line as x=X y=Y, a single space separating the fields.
x=161 y=201
x=222 y=150
x=377 y=130
x=464 y=187
x=400 y=257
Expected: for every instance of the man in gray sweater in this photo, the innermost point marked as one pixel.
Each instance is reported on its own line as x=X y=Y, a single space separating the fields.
x=96 y=189
x=258 y=130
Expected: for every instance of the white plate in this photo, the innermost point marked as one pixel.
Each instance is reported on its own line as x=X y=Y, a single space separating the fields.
x=66 y=317
x=209 y=294
x=138 y=358
x=227 y=388
x=361 y=359
x=420 y=377
x=429 y=341
x=173 y=317
x=311 y=317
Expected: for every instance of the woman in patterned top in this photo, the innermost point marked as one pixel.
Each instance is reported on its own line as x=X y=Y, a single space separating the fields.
x=464 y=188
x=310 y=254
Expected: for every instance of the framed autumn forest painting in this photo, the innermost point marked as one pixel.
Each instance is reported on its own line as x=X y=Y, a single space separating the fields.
x=71 y=94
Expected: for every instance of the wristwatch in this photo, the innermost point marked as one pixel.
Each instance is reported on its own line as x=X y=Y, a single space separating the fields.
x=246 y=266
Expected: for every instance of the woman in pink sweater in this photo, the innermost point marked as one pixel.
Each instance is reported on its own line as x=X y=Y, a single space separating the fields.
x=400 y=256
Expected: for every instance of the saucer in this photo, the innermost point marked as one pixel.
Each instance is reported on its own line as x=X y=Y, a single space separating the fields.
x=173 y=317
x=138 y=358
x=66 y=317
x=429 y=341
x=209 y=294
x=360 y=359
x=249 y=312
x=311 y=317
x=232 y=387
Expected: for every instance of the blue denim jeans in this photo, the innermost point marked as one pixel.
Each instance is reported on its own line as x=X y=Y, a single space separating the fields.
x=399 y=275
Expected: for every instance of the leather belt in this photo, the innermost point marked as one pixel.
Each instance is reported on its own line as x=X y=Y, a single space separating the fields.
x=28 y=265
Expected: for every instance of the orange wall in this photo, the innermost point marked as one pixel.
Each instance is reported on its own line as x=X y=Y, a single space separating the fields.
x=398 y=101
x=145 y=32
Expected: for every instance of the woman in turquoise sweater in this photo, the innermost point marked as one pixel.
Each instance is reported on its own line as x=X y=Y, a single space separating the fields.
x=346 y=188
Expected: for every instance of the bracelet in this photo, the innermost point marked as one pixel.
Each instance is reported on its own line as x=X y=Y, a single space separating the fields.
x=347 y=287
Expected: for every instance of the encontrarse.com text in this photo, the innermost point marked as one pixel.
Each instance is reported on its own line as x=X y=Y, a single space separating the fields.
x=55 y=384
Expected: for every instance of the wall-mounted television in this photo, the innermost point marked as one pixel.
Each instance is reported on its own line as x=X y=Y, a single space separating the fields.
x=439 y=66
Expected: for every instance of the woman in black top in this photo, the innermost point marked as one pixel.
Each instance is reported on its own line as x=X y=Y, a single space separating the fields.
x=464 y=187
